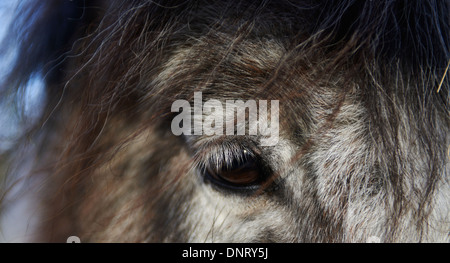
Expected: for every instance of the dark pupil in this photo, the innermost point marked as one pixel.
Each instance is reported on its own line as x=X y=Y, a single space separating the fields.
x=240 y=172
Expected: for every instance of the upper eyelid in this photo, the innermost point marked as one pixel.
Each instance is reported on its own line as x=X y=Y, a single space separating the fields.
x=220 y=156
x=216 y=151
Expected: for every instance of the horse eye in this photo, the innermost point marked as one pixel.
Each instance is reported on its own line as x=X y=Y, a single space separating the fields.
x=244 y=173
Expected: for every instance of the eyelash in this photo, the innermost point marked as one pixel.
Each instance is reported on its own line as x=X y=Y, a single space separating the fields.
x=220 y=157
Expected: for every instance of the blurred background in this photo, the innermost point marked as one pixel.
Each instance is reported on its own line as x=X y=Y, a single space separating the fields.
x=16 y=215
x=8 y=125
x=28 y=105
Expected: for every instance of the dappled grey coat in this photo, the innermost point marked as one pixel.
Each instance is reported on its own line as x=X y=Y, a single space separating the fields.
x=364 y=120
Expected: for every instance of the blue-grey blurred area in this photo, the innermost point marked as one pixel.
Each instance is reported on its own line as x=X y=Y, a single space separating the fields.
x=22 y=107
x=18 y=108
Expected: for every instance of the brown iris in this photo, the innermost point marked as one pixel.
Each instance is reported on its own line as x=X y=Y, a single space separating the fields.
x=240 y=173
